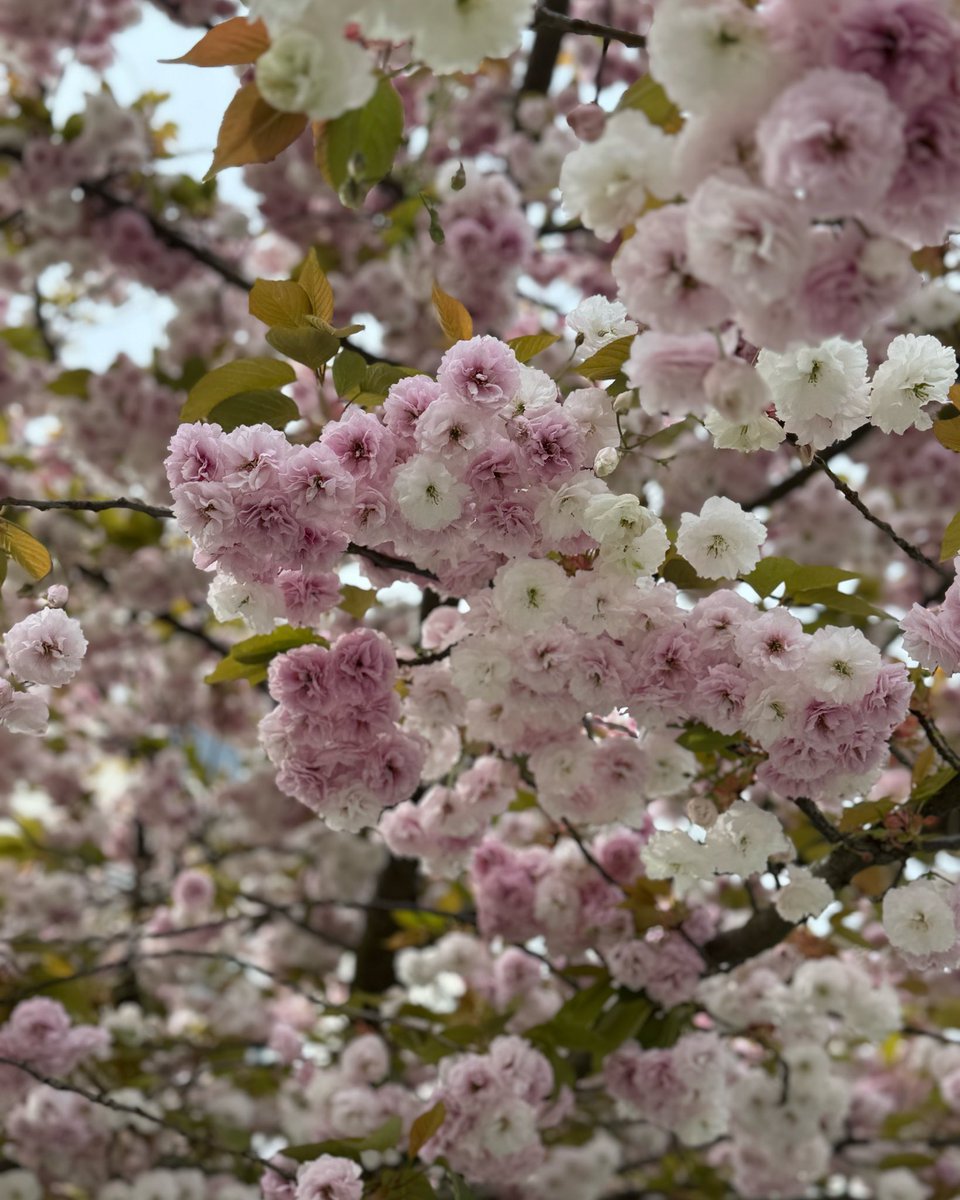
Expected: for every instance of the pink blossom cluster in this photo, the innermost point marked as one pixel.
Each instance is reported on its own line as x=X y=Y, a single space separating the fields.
x=457 y=472
x=40 y=1034
x=530 y=891
x=45 y=649
x=932 y=635
x=682 y=1089
x=496 y=1105
x=820 y=148
x=333 y=736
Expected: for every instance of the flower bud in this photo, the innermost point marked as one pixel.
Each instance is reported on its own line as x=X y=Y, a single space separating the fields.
x=587 y=121
x=606 y=462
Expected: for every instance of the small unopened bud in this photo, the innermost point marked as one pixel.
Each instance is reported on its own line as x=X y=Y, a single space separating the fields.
x=57 y=595
x=587 y=121
x=702 y=811
x=623 y=403
x=606 y=462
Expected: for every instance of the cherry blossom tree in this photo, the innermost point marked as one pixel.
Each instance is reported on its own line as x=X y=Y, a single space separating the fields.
x=478 y=706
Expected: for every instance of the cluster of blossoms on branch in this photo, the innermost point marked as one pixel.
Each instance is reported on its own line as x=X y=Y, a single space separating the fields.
x=603 y=830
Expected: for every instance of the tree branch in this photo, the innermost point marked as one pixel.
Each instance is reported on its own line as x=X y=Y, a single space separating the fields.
x=550 y=18
x=106 y=1101
x=767 y=928
x=151 y=510
x=543 y=54
x=379 y=559
x=853 y=498
x=800 y=477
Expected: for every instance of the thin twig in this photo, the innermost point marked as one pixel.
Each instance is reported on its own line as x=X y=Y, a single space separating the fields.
x=104 y=1100
x=853 y=498
x=587 y=854
x=151 y=510
x=818 y=820
x=379 y=559
x=936 y=739
x=800 y=477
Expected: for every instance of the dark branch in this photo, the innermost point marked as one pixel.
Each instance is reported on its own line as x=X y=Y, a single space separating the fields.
x=936 y=739
x=379 y=559
x=106 y=1101
x=151 y=510
x=543 y=54
x=818 y=820
x=800 y=477
x=853 y=498
x=767 y=928
x=549 y=18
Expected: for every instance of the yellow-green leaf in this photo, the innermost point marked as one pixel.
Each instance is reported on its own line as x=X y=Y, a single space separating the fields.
x=950 y=546
x=253 y=131
x=24 y=549
x=649 y=97
x=948 y=433
x=314 y=282
x=263 y=405
x=249 y=659
x=425 y=1126
x=306 y=345
x=454 y=319
x=244 y=375
x=356 y=600
x=232 y=43
x=607 y=361
x=531 y=344
x=279 y=302
x=349 y=370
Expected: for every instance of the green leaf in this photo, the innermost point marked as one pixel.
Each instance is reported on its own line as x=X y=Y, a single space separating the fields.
x=677 y=570
x=621 y=1023
x=838 y=601
x=378 y=379
x=250 y=408
x=647 y=96
x=607 y=361
x=71 y=383
x=26 y=340
x=532 y=344
x=702 y=740
x=24 y=549
x=572 y=1025
x=804 y=578
x=461 y=1189
x=425 y=1126
x=359 y=147
x=306 y=345
x=356 y=600
x=769 y=573
x=384 y=1137
x=279 y=302
x=867 y=812
x=404 y=1183
x=950 y=546
x=349 y=370
x=244 y=375
x=932 y=784
x=912 y=1159
x=249 y=659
